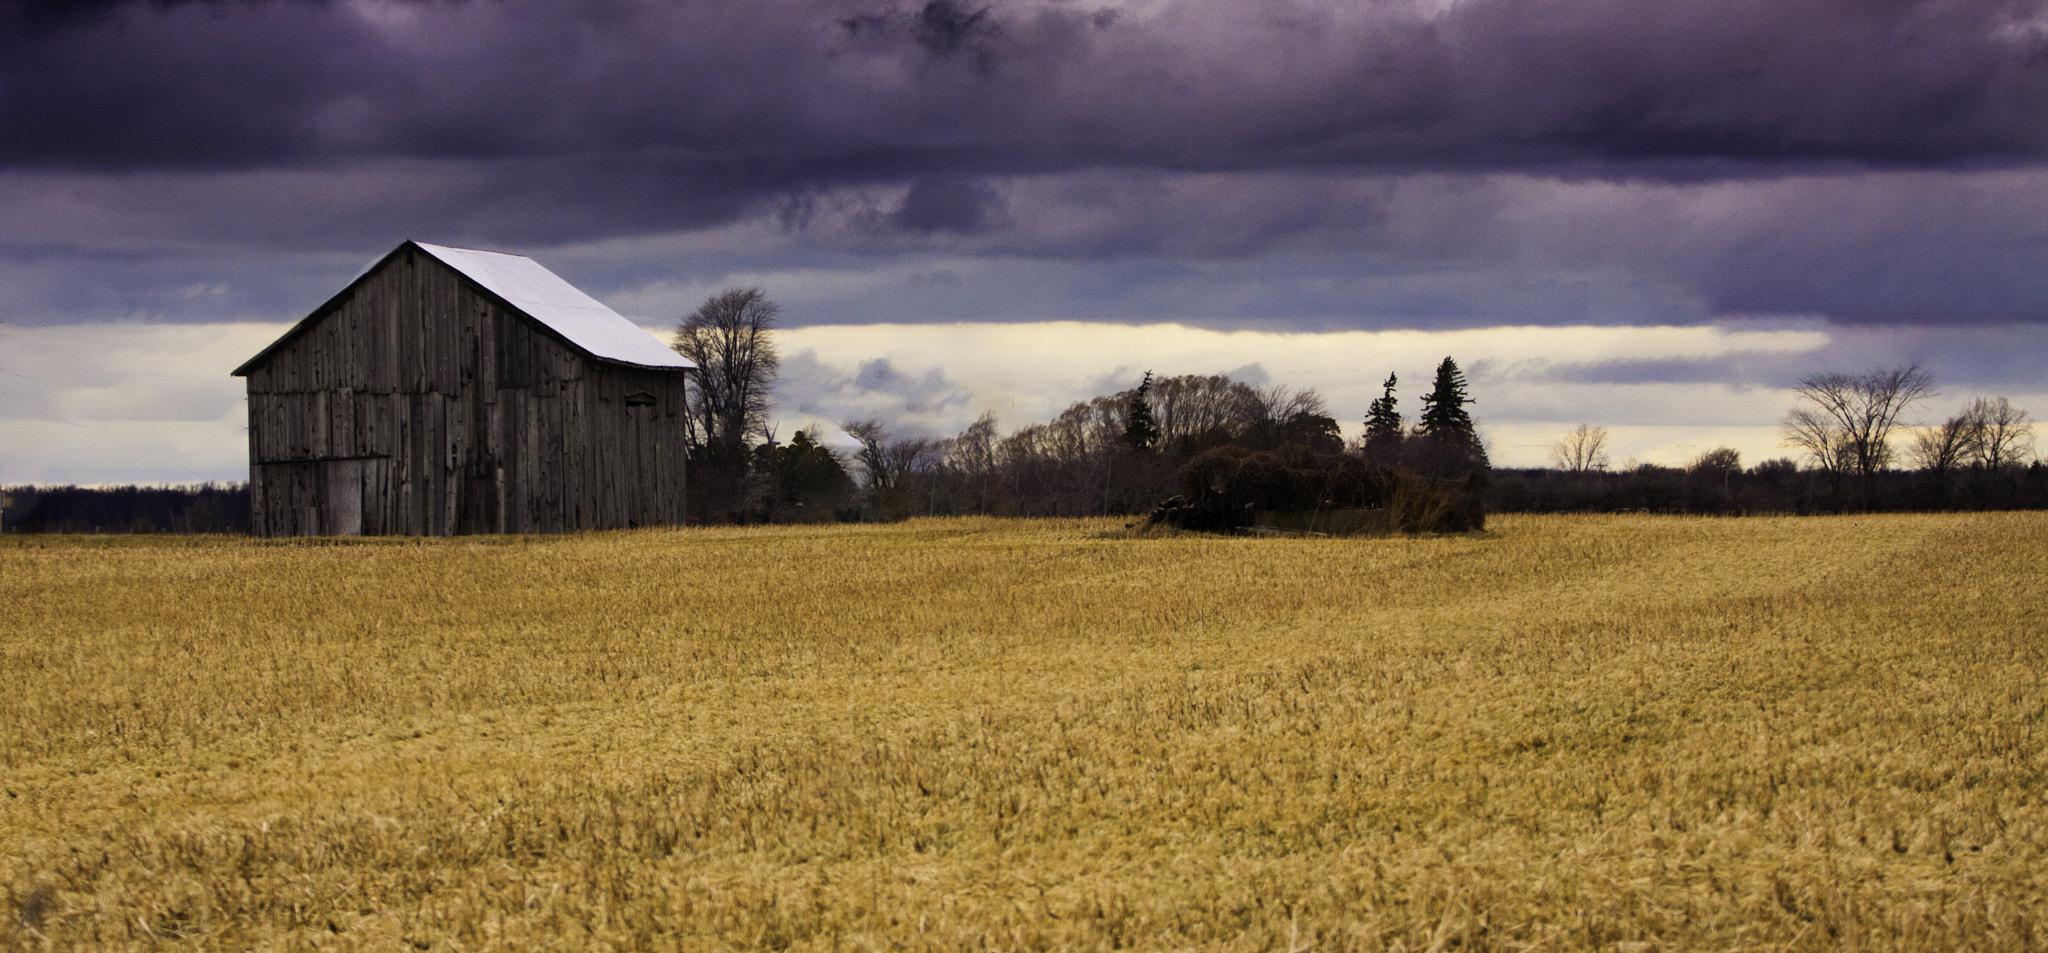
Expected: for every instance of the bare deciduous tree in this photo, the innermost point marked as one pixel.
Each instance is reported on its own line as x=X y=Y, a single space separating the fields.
x=1941 y=450
x=1267 y=417
x=1820 y=438
x=1718 y=462
x=974 y=449
x=972 y=453
x=730 y=338
x=1845 y=421
x=1583 y=450
x=872 y=457
x=885 y=461
x=1194 y=410
x=2005 y=433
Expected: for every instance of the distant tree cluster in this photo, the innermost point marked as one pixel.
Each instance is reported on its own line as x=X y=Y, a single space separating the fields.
x=1206 y=442
x=1848 y=428
x=1850 y=434
x=197 y=508
x=1298 y=489
x=730 y=337
x=1116 y=454
x=738 y=471
x=1168 y=439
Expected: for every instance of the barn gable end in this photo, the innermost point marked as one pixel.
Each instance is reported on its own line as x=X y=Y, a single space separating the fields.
x=420 y=401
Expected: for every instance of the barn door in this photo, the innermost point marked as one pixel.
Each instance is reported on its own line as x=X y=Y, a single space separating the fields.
x=344 y=497
x=638 y=461
x=323 y=497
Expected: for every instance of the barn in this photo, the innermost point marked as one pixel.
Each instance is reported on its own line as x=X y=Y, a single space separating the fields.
x=450 y=391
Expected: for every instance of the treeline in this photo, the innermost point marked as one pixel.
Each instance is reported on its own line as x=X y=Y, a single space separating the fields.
x=194 y=508
x=1118 y=454
x=1127 y=452
x=1858 y=457
x=1197 y=451
x=1114 y=454
x=1150 y=447
x=1774 y=486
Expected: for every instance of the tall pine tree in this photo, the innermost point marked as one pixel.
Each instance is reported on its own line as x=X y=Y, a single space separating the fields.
x=1383 y=424
x=1141 y=429
x=1453 y=443
x=1443 y=408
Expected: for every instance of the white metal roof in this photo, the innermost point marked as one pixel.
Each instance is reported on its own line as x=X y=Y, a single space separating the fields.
x=584 y=320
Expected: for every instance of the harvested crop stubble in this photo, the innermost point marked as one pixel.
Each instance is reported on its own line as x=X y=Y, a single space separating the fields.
x=1586 y=733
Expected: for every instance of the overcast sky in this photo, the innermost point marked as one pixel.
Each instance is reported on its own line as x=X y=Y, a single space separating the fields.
x=1654 y=215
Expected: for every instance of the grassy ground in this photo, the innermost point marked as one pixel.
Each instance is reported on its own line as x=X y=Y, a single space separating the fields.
x=1615 y=733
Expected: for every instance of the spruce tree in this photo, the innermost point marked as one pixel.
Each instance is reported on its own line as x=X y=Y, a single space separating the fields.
x=1383 y=422
x=1450 y=444
x=1443 y=408
x=1141 y=430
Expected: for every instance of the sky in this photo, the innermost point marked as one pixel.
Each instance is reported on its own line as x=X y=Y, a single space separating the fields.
x=1650 y=215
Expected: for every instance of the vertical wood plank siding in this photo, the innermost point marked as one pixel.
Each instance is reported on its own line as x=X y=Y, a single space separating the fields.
x=445 y=412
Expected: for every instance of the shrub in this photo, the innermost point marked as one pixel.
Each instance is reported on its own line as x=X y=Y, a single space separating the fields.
x=1222 y=490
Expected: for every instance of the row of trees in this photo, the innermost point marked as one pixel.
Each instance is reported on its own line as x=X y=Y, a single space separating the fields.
x=1850 y=430
x=1849 y=426
x=1717 y=483
x=1121 y=452
x=1116 y=453
x=195 y=508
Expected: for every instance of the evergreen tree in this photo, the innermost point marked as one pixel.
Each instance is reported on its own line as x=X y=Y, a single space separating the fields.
x=1318 y=432
x=1383 y=423
x=1450 y=446
x=1141 y=429
x=1443 y=408
x=805 y=482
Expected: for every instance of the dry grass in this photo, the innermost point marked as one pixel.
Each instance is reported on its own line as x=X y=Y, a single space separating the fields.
x=1571 y=733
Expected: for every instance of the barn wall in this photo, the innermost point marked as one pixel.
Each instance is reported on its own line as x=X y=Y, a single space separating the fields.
x=419 y=405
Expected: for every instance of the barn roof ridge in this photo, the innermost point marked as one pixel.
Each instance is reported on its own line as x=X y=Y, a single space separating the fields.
x=533 y=290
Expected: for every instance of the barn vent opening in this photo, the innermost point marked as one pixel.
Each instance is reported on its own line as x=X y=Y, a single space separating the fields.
x=639 y=398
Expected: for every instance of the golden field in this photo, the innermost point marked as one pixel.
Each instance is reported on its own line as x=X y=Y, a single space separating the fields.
x=1568 y=733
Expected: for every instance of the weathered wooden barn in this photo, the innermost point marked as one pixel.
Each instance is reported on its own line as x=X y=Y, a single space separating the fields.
x=449 y=391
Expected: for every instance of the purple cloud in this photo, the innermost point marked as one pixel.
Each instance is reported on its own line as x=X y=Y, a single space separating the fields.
x=783 y=91
x=1599 y=161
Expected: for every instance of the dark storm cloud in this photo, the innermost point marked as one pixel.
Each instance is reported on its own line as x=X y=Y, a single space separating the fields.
x=839 y=90
x=1291 y=163
x=948 y=204
x=1981 y=319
